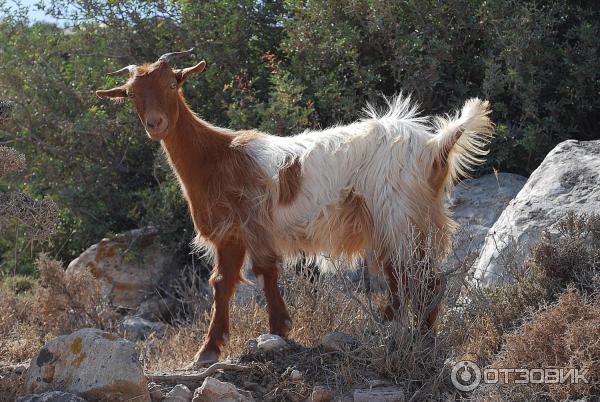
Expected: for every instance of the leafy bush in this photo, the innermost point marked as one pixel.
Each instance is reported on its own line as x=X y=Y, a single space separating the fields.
x=281 y=67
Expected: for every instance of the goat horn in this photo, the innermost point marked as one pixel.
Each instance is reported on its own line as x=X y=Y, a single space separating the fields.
x=129 y=69
x=167 y=57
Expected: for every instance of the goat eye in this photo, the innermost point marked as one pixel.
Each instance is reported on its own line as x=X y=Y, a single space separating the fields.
x=174 y=85
x=130 y=94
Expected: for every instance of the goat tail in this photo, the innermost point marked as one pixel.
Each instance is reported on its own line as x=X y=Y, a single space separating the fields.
x=461 y=140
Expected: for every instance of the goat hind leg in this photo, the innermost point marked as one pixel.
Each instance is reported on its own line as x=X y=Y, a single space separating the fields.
x=436 y=285
x=394 y=276
x=280 y=322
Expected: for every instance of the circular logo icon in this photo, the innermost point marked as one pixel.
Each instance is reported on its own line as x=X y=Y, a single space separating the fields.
x=466 y=376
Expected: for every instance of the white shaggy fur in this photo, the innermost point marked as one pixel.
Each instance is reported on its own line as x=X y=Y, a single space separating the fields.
x=387 y=159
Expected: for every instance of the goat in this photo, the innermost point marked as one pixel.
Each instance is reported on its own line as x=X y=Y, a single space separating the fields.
x=344 y=192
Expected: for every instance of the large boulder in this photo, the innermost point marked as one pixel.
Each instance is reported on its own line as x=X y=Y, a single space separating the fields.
x=568 y=180
x=129 y=266
x=96 y=365
x=476 y=204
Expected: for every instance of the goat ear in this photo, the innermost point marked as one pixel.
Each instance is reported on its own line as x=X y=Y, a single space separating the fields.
x=185 y=73
x=118 y=92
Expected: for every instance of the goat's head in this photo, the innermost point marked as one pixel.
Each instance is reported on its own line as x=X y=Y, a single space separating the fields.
x=155 y=91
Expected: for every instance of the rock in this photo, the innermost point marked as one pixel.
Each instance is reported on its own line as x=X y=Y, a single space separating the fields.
x=179 y=393
x=52 y=396
x=568 y=180
x=386 y=394
x=137 y=328
x=129 y=266
x=338 y=342
x=320 y=394
x=295 y=375
x=155 y=308
x=93 y=364
x=475 y=205
x=213 y=390
x=270 y=342
x=156 y=394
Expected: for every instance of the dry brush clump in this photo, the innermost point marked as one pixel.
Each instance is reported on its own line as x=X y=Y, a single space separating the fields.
x=60 y=303
x=11 y=161
x=38 y=217
x=572 y=256
x=560 y=335
x=482 y=315
x=544 y=315
x=27 y=218
x=66 y=302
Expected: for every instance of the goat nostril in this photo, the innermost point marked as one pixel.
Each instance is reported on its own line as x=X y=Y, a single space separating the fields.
x=154 y=123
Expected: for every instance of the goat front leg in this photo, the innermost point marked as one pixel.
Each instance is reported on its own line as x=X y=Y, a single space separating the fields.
x=280 y=322
x=224 y=279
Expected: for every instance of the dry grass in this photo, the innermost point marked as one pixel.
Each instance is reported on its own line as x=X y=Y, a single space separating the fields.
x=545 y=316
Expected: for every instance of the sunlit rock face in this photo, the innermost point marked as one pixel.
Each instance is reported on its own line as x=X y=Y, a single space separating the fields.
x=568 y=180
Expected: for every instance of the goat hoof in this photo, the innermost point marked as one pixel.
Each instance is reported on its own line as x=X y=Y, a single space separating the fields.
x=283 y=329
x=203 y=359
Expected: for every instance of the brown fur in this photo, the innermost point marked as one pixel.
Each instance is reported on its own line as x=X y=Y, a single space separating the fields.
x=290 y=182
x=356 y=223
x=225 y=190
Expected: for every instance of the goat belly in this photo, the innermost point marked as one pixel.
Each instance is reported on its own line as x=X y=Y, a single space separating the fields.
x=341 y=229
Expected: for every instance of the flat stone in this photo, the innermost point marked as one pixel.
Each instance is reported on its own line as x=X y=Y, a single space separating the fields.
x=385 y=394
